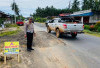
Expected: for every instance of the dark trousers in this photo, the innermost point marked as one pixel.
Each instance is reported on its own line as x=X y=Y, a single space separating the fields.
x=29 y=40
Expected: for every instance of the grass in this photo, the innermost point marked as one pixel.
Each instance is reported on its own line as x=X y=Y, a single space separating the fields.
x=11 y=25
x=97 y=34
x=39 y=22
x=9 y=33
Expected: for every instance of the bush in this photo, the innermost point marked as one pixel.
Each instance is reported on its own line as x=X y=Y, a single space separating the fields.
x=98 y=29
x=97 y=25
x=40 y=19
x=1 y=19
x=92 y=28
x=86 y=27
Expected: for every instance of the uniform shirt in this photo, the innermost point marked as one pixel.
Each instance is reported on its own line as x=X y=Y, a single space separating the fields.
x=29 y=28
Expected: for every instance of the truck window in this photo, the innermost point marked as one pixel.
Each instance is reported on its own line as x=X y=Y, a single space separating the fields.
x=55 y=21
x=51 y=21
x=69 y=20
x=61 y=21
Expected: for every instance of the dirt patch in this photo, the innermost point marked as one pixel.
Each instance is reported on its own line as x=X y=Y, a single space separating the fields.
x=42 y=42
x=44 y=39
x=11 y=59
x=18 y=37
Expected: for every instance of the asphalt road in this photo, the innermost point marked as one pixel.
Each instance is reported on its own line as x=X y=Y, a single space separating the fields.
x=80 y=52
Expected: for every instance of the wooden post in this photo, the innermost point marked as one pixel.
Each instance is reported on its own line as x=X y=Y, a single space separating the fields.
x=18 y=58
x=4 y=59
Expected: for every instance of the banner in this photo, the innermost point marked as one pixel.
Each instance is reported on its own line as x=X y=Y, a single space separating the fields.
x=11 y=48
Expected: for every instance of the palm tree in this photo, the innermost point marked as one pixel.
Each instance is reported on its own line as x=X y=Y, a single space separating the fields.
x=15 y=8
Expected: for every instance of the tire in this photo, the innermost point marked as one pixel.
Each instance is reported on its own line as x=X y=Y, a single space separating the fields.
x=58 y=33
x=22 y=24
x=46 y=24
x=48 y=30
x=18 y=24
x=74 y=35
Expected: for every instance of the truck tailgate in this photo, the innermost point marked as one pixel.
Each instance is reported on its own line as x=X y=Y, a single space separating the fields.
x=75 y=27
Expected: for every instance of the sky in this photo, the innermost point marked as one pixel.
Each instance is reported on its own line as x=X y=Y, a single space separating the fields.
x=28 y=7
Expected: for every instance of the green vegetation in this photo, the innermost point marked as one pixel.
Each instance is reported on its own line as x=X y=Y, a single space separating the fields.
x=9 y=33
x=20 y=17
x=51 y=11
x=11 y=25
x=15 y=8
x=97 y=26
x=75 y=5
x=99 y=29
x=86 y=27
x=41 y=20
x=92 y=33
x=1 y=19
x=93 y=29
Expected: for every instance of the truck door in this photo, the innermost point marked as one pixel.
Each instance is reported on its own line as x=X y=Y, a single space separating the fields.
x=54 y=24
x=51 y=24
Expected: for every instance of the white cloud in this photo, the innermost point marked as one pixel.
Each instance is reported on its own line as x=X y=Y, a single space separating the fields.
x=29 y=6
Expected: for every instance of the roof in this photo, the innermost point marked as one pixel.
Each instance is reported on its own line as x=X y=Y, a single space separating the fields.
x=64 y=14
x=3 y=15
x=56 y=18
x=82 y=13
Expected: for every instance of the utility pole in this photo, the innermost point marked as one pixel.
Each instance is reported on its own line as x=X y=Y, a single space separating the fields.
x=14 y=10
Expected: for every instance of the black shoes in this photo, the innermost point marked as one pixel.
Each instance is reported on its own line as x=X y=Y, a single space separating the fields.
x=30 y=49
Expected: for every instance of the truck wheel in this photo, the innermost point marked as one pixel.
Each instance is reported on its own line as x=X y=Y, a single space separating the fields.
x=48 y=30
x=57 y=33
x=74 y=35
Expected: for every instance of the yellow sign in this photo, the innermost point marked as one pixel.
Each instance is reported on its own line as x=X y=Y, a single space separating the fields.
x=11 y=48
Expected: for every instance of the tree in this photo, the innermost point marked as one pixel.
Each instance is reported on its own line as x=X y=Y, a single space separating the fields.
x=85 y=5
x=50 y=11
x=15 y=8
x=91 y=4
x=97 y=5
x=75 y=5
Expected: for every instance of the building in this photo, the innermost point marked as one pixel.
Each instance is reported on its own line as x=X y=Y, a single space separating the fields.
x=4 y=15
x=6 y=18
x=86 y=16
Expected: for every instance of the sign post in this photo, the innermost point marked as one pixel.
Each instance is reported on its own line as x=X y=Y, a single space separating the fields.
x=11 y=48
x=5 y=59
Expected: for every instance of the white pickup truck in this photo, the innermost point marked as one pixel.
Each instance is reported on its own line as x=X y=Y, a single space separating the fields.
x=68 y=26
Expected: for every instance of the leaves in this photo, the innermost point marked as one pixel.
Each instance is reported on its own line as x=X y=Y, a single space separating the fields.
x=50 y=11
x=75 y=5
x=15 y=8
x=91 y=4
